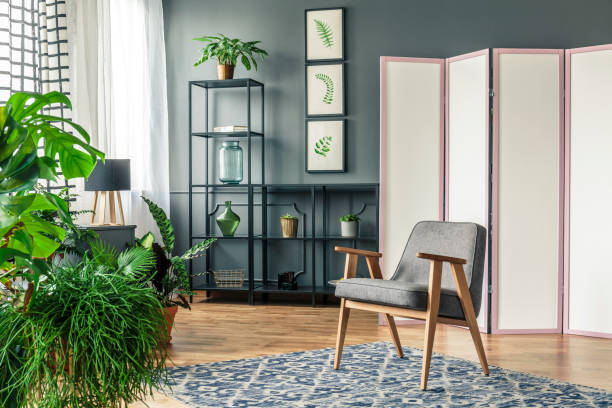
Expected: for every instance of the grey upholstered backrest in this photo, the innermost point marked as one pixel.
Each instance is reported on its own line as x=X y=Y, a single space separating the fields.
x=457 y=239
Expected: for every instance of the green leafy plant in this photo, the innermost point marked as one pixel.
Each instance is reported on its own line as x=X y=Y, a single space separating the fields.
x=170 y=278
x=91 y=338
x=229 y=50
x=349 y=218
x=328 y=98
x=26 y=238
x=323 y=146
x=325 y=33
x=288 y=217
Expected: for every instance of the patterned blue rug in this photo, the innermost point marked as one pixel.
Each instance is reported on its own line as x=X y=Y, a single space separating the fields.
x=371 y=375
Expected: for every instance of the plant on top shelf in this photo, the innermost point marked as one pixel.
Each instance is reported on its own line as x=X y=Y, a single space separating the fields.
x=349 y=225
x=289 y=225
x=228 y=51
x=170 y=278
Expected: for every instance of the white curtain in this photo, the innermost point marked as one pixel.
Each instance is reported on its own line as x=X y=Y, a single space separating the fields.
x=119 y=93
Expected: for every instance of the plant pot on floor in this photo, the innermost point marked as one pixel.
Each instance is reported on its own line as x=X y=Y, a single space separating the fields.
x=225 y=71
x=169 y=315
x=289 y=227
x=349 y=229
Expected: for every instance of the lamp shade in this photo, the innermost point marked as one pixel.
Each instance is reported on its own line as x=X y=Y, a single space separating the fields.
x=112 y=175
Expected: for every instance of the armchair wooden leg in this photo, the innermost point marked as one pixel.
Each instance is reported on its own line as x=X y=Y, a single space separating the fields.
x=433 y=304
x=394 y=335
x=342 y=323
x=468 y=310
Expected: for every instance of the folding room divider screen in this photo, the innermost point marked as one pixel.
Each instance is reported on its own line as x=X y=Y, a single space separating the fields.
x=505 y=165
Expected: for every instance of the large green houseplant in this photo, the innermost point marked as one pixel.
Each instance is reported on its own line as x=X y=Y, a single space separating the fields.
x=169 y=277
x=228 y=51
x=85 y=335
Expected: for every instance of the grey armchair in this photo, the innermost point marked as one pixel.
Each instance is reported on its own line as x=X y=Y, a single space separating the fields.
x=422 y=286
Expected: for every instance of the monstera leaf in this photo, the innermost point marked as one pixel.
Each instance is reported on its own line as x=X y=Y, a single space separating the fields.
x=23 y=129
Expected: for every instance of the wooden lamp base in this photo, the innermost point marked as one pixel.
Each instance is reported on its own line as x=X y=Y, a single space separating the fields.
x=107 y=196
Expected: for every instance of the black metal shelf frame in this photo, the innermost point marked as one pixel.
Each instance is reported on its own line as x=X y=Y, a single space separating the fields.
x=317 y=192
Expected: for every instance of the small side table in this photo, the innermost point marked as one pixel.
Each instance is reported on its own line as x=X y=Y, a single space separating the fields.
x=117 y=236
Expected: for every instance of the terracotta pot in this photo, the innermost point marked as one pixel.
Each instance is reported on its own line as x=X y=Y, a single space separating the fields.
x=225 y=71
x=289 y=227
x=169 y=314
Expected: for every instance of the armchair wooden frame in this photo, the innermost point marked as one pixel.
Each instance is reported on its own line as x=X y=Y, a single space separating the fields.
x=430 y=315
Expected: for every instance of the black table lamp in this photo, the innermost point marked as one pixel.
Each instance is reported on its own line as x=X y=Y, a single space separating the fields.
x=107 y=179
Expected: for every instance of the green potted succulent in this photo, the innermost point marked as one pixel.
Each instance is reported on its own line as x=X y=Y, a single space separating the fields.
x=169 y=277
x=228 y=51
x=349 y=225
x=289 y=225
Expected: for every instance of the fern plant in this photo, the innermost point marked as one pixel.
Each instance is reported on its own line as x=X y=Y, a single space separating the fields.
x=91 y=338
x=170 y=278
x=325 y=33
x=323 y=146
x=328 y=98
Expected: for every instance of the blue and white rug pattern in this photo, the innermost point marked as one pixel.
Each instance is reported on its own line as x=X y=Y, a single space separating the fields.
x=371 y=375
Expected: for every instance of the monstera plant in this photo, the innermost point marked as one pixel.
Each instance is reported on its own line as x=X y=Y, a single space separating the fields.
x=35 y=146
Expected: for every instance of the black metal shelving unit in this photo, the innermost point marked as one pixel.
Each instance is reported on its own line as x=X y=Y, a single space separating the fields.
x=315 y=235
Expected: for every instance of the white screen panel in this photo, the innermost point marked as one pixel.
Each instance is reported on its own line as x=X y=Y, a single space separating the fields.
x=529 y=126
x=411 y=105
x=590 y=188
x=467 y=145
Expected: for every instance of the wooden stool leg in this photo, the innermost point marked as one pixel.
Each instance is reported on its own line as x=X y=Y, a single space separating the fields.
x=93 y=210
x=342 y=323
x=394 y=334
x=433 y=304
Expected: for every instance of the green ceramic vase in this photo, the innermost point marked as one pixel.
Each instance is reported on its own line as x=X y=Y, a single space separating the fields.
x=228 y=221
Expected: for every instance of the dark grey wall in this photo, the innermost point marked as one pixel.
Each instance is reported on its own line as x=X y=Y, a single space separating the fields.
x=419 y=28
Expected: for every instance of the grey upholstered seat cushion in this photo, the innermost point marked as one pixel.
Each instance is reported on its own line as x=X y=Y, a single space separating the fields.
x=407 y=287
x=398 y=293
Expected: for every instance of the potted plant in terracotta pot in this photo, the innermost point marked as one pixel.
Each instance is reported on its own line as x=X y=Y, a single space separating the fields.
x=289 y=225
x=349 y=225
x=169 y=277
x=228 y=51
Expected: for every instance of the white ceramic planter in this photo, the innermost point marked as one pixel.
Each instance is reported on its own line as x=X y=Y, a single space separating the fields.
x=349 y=228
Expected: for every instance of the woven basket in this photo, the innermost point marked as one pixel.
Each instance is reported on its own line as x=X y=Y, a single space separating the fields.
x=230 y=278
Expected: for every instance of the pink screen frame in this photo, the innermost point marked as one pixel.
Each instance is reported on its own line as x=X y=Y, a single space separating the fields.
x=495 y=199
x=566 y=168
x=485 y=52
x=383 y=136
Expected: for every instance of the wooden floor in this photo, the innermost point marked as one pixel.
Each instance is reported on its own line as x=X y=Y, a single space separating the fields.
x=216 y=331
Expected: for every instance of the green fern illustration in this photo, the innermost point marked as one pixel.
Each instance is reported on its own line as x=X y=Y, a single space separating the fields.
x=325 y=33
x=329 y=85
x=323 y=145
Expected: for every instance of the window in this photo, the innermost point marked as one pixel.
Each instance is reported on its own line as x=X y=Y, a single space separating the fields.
x=34 y=51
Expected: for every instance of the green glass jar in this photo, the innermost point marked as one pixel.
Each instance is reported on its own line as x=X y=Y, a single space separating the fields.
x=228 y=221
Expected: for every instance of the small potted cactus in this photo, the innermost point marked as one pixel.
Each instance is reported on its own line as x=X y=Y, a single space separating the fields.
x=349 y=225
x=289 y=225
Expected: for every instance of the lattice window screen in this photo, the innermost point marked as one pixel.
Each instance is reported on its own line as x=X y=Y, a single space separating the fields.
x=34 y=52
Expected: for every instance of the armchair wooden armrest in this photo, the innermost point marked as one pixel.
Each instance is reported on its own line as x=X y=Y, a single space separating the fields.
x=352 y=254
x=441 y=258
x=357 y=251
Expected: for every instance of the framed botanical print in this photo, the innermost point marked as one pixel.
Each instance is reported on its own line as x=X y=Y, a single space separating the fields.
x=325 y=90
x=325 y=146
x=324 y=34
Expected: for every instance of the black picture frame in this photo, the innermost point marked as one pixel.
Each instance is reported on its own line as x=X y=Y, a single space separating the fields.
x=325 y=115
x=343 y=56
x=325 y=119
